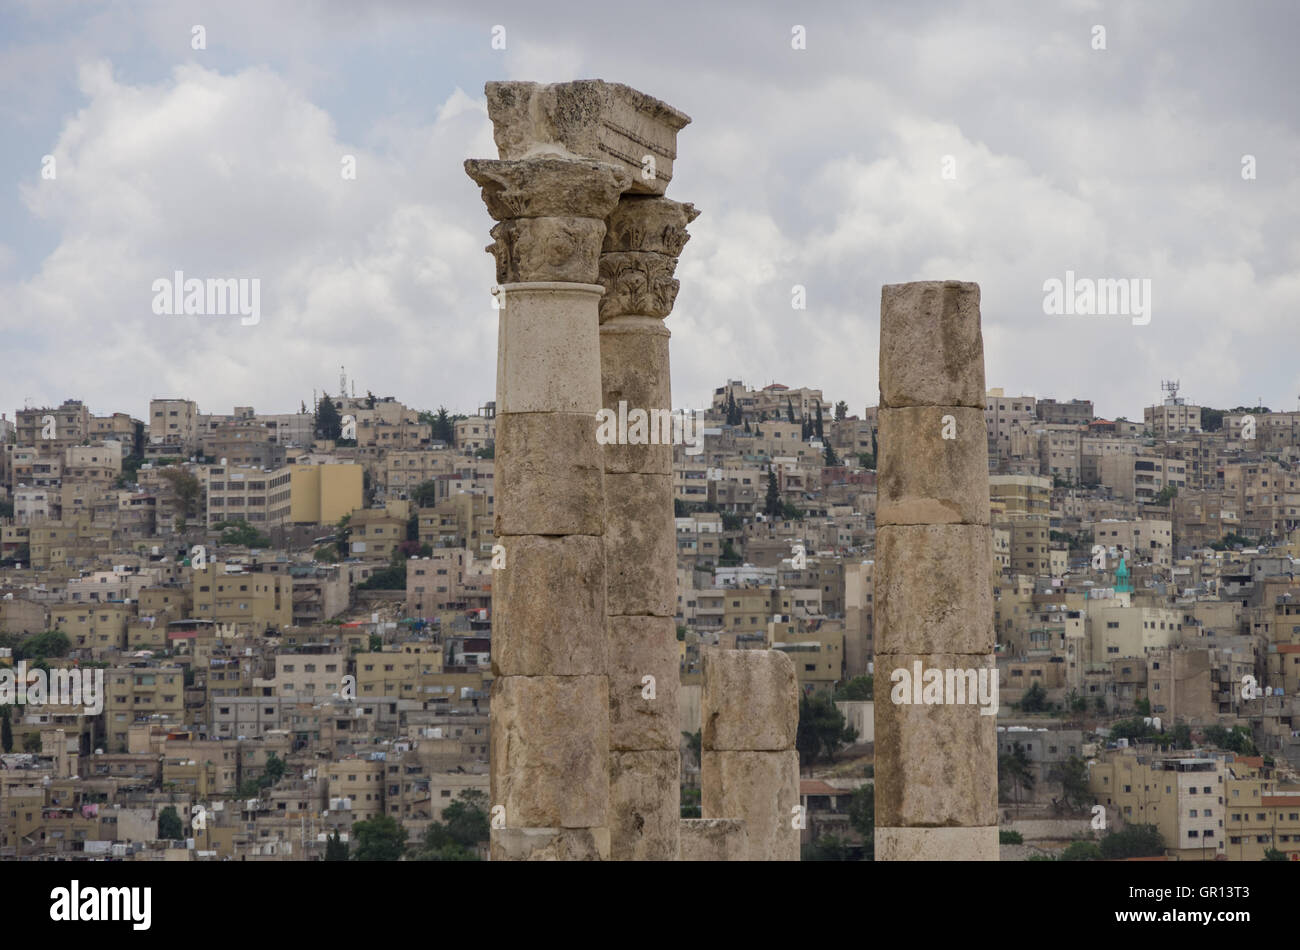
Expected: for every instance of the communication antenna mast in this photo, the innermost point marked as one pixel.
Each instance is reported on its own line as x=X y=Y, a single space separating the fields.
x=1170 y=387
x=343 y=382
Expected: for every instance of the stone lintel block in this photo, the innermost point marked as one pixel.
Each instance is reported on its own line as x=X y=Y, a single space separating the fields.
x=549 y=844
x=551 y=186
x=749 y=702
x=937 y=844
x=934 y=589
x=550 y=475
x=599 y=120
x=549 y=607
x=931 y=347
x=936 y=748
x=548 y=348
x=634 y=377
x=933 y=466
x=641 y=647
x=713 y=839
x=549 y=750
x=762 y=789
x=644 y=805
x=640 y=545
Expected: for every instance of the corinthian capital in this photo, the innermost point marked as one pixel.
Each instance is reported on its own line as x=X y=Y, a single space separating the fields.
x=639 y=256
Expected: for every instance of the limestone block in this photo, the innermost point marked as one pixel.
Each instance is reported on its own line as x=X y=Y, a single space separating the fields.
x=592 y=118
x=925 y=477
x=637 y=283
x=762 y=789
x=713 y=839
x=933 y=589
x=935 y=762
x=549 y=844
x=750 y=700
x=549 y=607
x=549 y=750
x=548 y=349
x=644 y=805
x=931 y=347
x=546 y=249
x=641 y=647
x=640 y=545
x=549 y=476
x=634 y=375
x=937 y=844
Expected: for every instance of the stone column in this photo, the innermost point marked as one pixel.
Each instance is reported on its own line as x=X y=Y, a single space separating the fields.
x=550 y=698
x=936 y=742
x=749 y=711
x=643 y=238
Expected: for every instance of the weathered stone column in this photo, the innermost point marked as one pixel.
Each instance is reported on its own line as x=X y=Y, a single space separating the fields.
x=749 y=711
x=567 y=151
x=549 y=713
x=936 y=698
x=643 y=238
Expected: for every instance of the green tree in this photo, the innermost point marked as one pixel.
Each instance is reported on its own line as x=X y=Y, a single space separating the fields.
x=1165 y=495
x=1182 y=736
x=826 y=848
x=841 y=411
x=1073 y=774
x=1081 y=851
x=274 y=769
x=789 y=410
x=1135 y=841
x=379 y=839
x=1034 y=700
x=329 y=425
x=693 y=744
x=185 y=486
x=817 y=421
x=772 y=504
x=1015 y=774
x=463 y=828
x=342 y=532
x=828 y=456
x=32 y=742
x=40 y=646
x=1272 y=854
x=858 y=688
x=242 y=534
x=425 y=494
x=335 y=849
x=866 y=460
x=862 y=816
x=6 y=731
x=169 y=824
x=1010 y=837
x=822 y=729
x=728 y=556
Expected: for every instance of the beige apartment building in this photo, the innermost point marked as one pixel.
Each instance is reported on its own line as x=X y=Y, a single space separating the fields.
x=1185 y=797
x=1173 y=416
x=139 y=694
x=248 y=600
x=1020 y=496
x=355 y=785
x=323 y=494
x=1002 y=414
x=173 y=428
x=1146 y=540
x=1120 y=630
x=240 y=493
x=309 y=676
x=53 y=428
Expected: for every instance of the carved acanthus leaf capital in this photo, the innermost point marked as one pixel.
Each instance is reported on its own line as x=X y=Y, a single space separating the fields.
x=547 y=187
x=656 y=225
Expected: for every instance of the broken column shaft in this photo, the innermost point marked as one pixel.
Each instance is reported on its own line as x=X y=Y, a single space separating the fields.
x=936 y=743
x=749 y=718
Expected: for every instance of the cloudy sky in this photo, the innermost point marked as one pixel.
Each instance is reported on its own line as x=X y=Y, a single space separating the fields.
x=821 y=167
